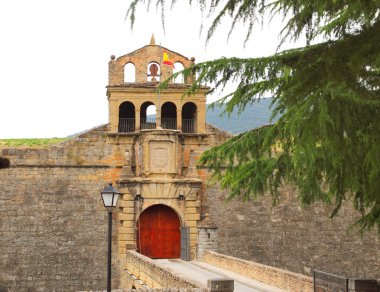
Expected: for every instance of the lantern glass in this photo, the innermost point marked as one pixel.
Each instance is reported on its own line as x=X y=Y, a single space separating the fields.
x=115 y=198
x=110 y=196
x=107 y=199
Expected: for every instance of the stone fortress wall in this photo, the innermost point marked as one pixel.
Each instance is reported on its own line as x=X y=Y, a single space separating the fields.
x=291 y=237
x=53 y=225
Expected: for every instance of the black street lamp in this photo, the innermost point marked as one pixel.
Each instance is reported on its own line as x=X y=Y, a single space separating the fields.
x=109 y=197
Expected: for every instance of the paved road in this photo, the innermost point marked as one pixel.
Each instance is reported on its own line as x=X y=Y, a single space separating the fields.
x=199 y=273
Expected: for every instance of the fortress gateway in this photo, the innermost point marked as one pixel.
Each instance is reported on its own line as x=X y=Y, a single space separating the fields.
x=163 y=189
x=53 y=225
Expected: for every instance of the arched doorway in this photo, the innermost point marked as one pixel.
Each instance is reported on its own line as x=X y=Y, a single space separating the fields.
x=147 y=115
x=126 y=117
x=189 y=118
x=169 y=116
x=158 y=233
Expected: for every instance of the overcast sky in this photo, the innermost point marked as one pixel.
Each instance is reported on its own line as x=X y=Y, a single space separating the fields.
x=54 y=58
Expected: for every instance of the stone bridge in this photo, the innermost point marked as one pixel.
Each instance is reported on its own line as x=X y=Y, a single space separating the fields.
x=221 y=273
x=216 y=270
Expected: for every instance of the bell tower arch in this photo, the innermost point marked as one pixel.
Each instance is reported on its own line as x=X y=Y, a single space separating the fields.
x=151 y=65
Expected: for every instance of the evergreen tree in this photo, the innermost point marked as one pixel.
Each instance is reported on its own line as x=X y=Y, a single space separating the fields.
x=327 y=139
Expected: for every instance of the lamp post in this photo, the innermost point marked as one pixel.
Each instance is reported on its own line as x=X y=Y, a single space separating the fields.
x=109 y=197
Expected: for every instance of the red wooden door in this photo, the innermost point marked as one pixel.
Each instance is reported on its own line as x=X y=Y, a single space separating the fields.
x=158 y=234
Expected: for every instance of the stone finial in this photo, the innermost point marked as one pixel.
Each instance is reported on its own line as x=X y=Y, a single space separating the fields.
x=152 y=40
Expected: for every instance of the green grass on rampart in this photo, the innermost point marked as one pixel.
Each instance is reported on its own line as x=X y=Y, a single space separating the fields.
x=30 y=142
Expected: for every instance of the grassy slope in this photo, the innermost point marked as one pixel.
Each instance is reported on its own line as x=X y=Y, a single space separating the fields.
x=30 y=143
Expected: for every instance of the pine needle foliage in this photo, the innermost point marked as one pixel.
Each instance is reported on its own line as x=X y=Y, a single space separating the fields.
x=327 y=139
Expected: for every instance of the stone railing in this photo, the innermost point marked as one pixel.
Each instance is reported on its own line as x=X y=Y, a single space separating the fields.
x=216 y=285
x=269 y=275
x=154 y=276
x=147 y=276
x=157 y=290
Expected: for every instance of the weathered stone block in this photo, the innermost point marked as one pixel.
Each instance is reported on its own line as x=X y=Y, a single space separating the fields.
x=126 y=204
x=125 y=217
x=220 y=285
x=190 y=217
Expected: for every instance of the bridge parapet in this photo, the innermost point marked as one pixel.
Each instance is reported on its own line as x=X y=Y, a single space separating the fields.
x=266 y=274
x=156 y=290
x=145 y=271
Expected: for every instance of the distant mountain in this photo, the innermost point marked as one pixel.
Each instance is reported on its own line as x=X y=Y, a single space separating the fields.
x=253 y=116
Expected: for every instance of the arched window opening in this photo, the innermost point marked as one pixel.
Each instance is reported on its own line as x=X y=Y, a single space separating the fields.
x=129 y=73
x=177 y=68
x=169 y=116
x=153 y=72
x=158 y=233
x=148 y=116
x=189 y=118
x=126 y=117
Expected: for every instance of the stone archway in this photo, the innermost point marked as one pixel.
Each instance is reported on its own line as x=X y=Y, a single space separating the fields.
x=158 y=233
